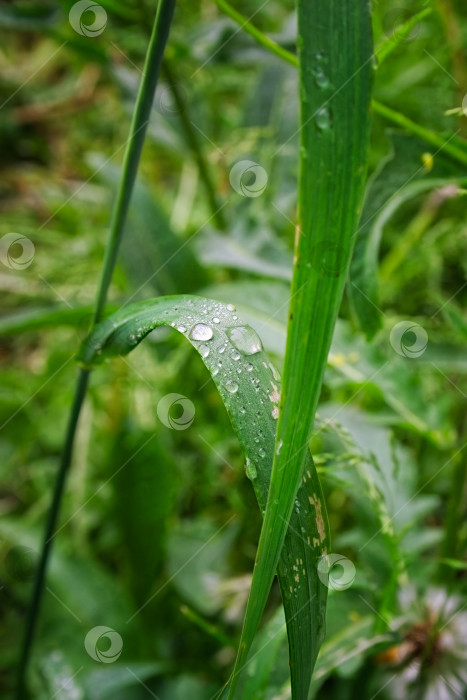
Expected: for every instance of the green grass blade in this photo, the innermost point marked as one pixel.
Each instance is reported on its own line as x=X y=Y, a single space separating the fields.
x=399 y=35
x=250 y=388
x=402 y=175
x=451 y=144
x=335 y=55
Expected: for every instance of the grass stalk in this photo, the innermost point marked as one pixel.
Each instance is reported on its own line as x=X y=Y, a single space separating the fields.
x=195 y=147
x=335 y=62
x=132 y=156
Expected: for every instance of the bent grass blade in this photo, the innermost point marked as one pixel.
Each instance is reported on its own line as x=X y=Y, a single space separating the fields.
x=250 y=388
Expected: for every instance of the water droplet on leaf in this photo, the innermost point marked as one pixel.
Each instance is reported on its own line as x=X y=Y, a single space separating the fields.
x=232 y=387
x=323 y=119
x=250 y=470
x=201 y=332
x=245 y=339
x=321 y=78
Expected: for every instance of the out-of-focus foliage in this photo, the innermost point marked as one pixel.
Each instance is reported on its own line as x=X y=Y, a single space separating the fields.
x=145 y=501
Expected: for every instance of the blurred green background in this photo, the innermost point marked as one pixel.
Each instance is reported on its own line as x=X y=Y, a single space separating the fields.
x=159 y=527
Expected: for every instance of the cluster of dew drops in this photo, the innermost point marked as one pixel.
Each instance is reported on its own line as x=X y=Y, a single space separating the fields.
x=228 y=358
x=208 y=336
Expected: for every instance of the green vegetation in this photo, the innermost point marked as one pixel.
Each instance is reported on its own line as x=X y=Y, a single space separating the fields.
x=291 y=174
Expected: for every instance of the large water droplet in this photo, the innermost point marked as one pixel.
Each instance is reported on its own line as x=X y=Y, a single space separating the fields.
x=201 y=332
x=230 y=307
x=245 y=339
x=250 y=470
x=262 y=452
x=249 y=367
x=323 y=119
x=232 y=387
x=235 y=355
x=182 y=329
x=204 y=350
x=321 y=79
x=216 y=320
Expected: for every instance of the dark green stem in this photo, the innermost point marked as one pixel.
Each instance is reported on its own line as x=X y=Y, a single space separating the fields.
x=139 y=123
x=134 y=147
x=195 y=147
x=35 y=602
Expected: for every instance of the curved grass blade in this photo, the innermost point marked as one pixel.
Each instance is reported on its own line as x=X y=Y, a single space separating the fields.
x=250 y=388
x=402 y=175
x=399 y=35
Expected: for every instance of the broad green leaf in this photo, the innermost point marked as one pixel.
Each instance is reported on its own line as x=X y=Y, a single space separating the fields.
x=335 y=55
x=403 y=175
x=250 y=388
x=101 y=684
x=144 y=497
x=43 y=317
x=197 y=556
x=29 y=16
x=259 y=254
x=351 y=643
